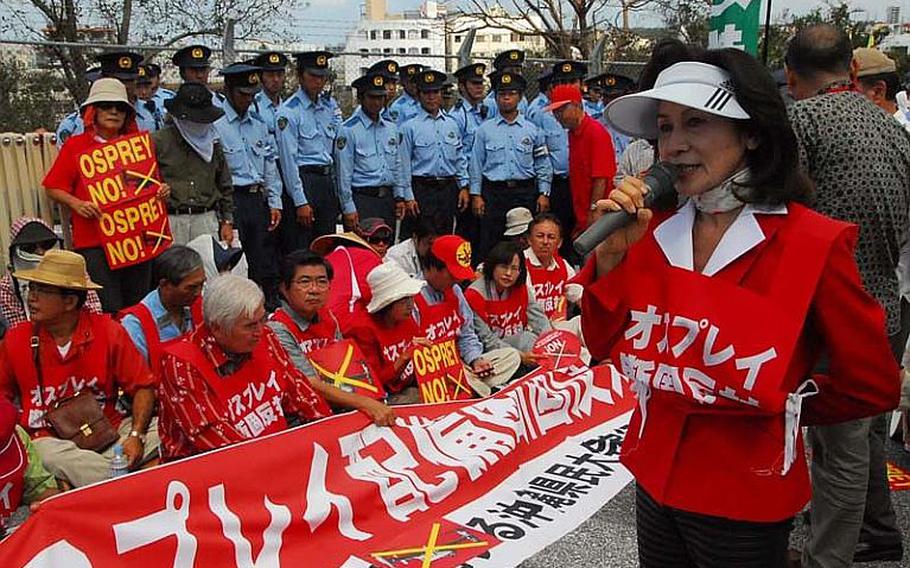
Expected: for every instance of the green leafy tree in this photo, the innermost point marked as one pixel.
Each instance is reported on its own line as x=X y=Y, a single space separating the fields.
x=28 y=98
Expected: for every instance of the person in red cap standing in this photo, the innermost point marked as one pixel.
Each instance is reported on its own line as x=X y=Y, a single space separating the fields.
x=592 y=163
x=442 y=312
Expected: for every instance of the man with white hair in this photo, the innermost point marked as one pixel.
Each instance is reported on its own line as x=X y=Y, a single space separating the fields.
x=230 y=380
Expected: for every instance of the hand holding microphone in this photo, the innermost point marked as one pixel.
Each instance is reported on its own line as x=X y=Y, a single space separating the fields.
x=627 y=211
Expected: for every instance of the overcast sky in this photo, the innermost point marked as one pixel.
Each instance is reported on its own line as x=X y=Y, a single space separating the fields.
x=325 y=21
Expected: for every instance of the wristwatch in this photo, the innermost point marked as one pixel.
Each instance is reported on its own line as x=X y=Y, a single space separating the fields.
x=137 y=434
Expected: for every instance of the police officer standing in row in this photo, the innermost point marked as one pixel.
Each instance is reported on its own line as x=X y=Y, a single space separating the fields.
x=251 y=157
x=193 y=62
x=593 y=96
x=557 y=140
x=368 y=160
x=469 y=113
x=406 y=106
x=510 y=165
x=144 y=97
x=158 y=93
x=272 y=74
x=388 y=68
x=124 y=66
x=510 y=61
x=434 y=161
x=308 y=123
x=614 y=86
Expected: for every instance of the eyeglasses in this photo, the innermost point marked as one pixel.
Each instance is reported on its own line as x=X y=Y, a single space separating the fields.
x=112 y=107
x=33 y=248
x=318 y=283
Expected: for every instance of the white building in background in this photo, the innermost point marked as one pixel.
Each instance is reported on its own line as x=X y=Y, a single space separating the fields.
x=403 y=37
x=491 y=40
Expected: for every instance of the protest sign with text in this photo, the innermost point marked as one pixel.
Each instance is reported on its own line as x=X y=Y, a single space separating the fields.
x=485 y=482
x=440 y=372
x=122 y=180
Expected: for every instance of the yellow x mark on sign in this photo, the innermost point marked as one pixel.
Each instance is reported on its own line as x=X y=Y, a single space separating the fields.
x=146 y=178
x=341 y=377
x=429 y=548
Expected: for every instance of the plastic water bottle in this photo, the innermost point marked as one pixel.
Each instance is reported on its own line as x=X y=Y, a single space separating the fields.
x=119 y=465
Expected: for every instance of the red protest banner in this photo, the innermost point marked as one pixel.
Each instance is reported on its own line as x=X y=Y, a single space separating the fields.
x=343 y=365
x=514 y=471
x=440 y=373
x=560 y=349
x=122 y=179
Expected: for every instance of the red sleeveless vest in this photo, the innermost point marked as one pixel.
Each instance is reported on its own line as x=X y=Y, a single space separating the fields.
x=550 y=288
x=12 y=480
x=505 y=317
x=440 y=321
x=149 y=326
x=316 y=336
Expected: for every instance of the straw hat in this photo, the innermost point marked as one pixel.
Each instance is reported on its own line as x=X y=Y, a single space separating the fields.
x=327 y=243
x=60 y=268
x=107 y=90
x=390 y=283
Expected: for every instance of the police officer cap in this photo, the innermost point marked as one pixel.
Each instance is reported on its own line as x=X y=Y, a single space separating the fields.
x=154 y=69
x=92 y=74
x=271 y=61
x=145 y=76
x=388 y=67
x=313 y=62
x=243 y=77
x=373 y=83
x=410 y=71
x=431 y=80
x=120 y=64
x=613 y=83
x=472 y=72
x=192 y=56
x=568 y=71
x=509 y=58
x=508 y=81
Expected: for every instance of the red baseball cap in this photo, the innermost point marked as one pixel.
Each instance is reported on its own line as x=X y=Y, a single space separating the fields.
x=563 y=95
x=455 y=252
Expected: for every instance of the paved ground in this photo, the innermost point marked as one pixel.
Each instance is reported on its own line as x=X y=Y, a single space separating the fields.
x=607 y=540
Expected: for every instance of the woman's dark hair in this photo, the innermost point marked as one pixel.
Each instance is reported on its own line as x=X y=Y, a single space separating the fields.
x=546 y=217
x=776 y=174
x=303 y=257
x=503 y=253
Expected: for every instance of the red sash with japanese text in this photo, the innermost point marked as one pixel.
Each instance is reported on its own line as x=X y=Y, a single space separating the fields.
x=394 y=342
x=506 y=317
x=709 y=339
x=550 y=288
x=439 y=321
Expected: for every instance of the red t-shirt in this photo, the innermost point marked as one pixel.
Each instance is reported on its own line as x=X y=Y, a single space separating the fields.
x=590 y=156
x=64 y=175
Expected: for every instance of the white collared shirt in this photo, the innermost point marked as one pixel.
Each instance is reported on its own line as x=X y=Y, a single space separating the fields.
x=674 y=237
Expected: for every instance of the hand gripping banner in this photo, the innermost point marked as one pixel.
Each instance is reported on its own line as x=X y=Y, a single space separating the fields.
x=480 y=483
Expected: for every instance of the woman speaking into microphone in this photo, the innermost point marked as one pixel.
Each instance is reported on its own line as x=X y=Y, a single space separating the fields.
x=718 y=312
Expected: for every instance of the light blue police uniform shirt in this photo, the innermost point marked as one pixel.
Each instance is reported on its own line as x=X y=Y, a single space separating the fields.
x=267 y=111
x=306 y=133
x=506 y=150
x=468 y=119
x=492 y=110
x=403 y=108
x=247 y=147
x=367 y=155
x=594 y=110
x=555 y=136
x=145 y=118
x=162 y=95
x=167 y=329
x=71 y=124
x=432 y=147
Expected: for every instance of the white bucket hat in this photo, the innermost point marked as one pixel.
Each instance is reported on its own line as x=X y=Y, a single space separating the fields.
x=107 y=90
x=390 y=283
x=693 y=84
x=517 y=221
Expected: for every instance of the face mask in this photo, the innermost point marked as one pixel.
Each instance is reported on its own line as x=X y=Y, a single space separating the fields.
x=201 y=137
x=721 y=199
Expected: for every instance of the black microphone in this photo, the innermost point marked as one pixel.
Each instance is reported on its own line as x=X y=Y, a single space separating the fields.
x=660 y=181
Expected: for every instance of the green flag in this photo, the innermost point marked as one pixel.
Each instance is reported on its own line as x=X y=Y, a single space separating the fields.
x=734 y=23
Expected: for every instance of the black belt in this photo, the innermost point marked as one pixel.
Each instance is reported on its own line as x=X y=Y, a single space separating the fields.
x=252 y=188
x=510 y=183
x=189 y=210
x=432 y=180
x=560 y=177
x=316 y=170
x=380 y=191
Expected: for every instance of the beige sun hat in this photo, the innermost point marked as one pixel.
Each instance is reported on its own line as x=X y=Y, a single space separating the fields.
x=61 y=268
x=517 y=221
x=107 y=90
x=327 y=243
x=390 y=283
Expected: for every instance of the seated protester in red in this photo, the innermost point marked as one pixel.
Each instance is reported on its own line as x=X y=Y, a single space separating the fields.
x=76 y=351
x=303 y=324
x=22 y=475
x=171 y=310
x=30 y=238
x=548 y=273
x=442 y=313
x=351 y=258
x=107 y=114
x=204 y=377
x=718 y=312
x=506 y=312
x=388 y=335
